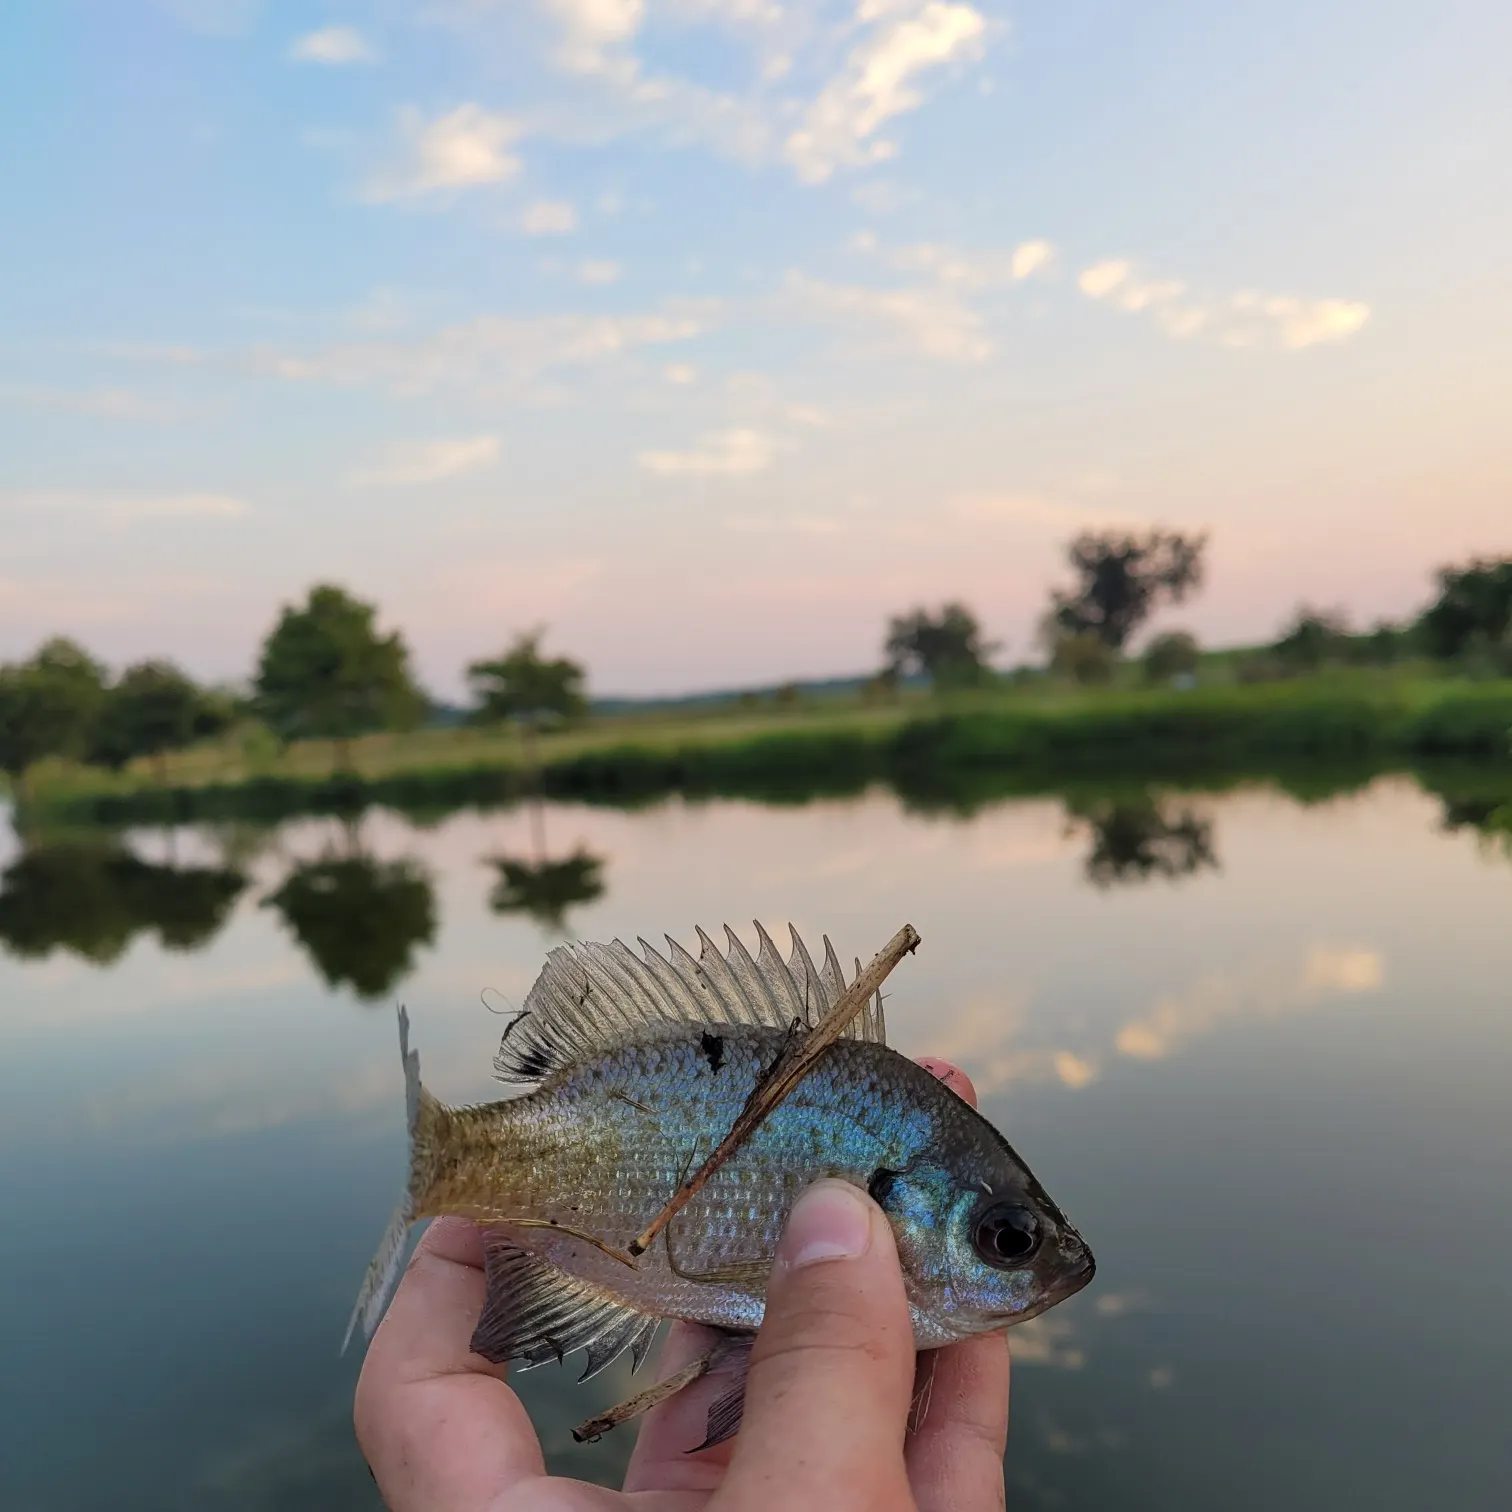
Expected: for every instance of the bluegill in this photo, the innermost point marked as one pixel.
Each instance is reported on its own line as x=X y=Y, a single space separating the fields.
x=638 y=1066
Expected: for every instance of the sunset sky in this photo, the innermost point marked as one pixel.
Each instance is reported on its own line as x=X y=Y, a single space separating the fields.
x=709 y=332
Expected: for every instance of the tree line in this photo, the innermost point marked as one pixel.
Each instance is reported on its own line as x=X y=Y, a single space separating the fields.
x=1119 y=581
x=327 y=670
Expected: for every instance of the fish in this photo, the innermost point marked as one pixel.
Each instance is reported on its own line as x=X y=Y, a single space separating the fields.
x=628 y=1072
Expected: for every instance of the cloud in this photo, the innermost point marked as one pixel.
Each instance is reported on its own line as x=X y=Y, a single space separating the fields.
x=1249 y=318
x=840 y=126
x=598 y=271
x=1301 y=322
x=430 y=462
x=680 y=373
x=967 y=271
x=548 y=218
x=936 y=322
x=1327 y=972
x=127 y=508
x=334 y=45
x=730 y=454
x=461 y=150
x=1029 y=257
x=592 y=29
x=485 y=350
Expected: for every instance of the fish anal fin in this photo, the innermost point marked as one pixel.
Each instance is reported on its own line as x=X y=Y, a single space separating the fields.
x=728 y=1408
x=534 y=1312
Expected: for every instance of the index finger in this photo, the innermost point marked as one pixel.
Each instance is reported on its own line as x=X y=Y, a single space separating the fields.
x=436 y=1423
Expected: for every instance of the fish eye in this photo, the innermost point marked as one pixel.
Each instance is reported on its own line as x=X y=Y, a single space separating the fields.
x=1005 y=1234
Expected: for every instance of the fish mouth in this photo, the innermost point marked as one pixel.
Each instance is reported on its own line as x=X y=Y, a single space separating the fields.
x=1079 y=1266
x=1074 y=1268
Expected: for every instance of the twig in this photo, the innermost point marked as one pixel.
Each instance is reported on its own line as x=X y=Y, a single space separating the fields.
x=651 y=1397
x=792 y=1066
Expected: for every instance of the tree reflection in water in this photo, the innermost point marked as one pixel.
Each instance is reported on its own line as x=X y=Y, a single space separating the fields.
x=1136 y=839
x=92 y=896
x=546 y=889
x=360 y=919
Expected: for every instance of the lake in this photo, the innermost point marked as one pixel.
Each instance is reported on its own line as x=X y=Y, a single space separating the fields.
x=1260 y=1051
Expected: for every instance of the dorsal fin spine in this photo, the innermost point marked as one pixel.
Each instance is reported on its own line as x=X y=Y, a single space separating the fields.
x=779 y=980
x=758 y=995
x=714 y=969
x=592 y=995
x=816 y=1000
x=670 y=982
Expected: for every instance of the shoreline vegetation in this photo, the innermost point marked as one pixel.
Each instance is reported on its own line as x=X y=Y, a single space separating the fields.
x=333 y=719
x=947 y=751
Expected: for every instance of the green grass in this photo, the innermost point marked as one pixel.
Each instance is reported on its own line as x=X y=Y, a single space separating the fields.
x=933 y=750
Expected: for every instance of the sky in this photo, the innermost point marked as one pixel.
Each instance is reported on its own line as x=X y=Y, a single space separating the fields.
x=710 y=333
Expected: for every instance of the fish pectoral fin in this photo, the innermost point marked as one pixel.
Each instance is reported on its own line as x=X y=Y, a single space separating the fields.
x=534 y=1312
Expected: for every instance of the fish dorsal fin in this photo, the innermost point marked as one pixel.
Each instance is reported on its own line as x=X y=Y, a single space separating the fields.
x=534 y=1312
x=590 y=996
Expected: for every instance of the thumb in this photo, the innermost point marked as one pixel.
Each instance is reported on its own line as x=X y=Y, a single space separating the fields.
x=832 y=1369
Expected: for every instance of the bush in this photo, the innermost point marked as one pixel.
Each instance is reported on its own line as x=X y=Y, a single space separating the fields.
x=1083 y=658
x=1174 y=654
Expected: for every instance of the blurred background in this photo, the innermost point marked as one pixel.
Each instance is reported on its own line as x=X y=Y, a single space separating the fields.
x=480 y=473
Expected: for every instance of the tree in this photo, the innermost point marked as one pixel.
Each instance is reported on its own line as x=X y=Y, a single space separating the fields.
x=1122 y=578
x=48 y=705
x=947 y=648
x=524 y=685
x=1313 y=637
x=360 y=919
x=1174 y=654
x=326 y=671
x=1474 y=606
x=1386 y=643
x=154 y=708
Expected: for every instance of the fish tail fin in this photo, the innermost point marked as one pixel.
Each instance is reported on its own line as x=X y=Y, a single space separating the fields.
x=427 y=1119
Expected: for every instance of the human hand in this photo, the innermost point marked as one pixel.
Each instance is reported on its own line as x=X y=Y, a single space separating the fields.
x=832 y=1379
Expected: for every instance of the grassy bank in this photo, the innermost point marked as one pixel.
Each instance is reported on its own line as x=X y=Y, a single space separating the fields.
x=931 y=750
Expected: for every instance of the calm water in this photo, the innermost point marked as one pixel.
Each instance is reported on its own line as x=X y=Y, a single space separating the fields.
x=1262 y=1053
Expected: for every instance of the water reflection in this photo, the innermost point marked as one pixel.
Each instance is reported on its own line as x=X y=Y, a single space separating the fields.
x=91 y=896
x=544 y=889
x=1134 y=840
x=1265 y=1058
x=360 y=919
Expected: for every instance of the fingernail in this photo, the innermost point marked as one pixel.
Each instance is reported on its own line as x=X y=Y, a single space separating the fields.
x=830 y=1221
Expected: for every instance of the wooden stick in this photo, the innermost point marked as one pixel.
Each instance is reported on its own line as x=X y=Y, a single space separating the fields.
x=645 y=1400
x=796 y=1061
